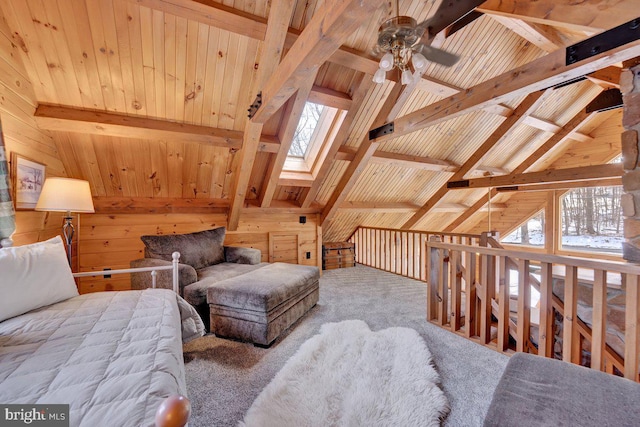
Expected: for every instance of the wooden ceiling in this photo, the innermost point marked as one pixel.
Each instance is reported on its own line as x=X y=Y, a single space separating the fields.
x=148 y=99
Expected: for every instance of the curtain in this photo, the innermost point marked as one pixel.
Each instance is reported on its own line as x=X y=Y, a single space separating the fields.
x=7 y=213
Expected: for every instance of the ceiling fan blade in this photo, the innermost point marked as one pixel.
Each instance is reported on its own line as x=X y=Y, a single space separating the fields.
x=448 y=13
x=436 y=55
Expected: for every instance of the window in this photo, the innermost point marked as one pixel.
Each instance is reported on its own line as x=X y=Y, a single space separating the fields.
x=307 y=127
x=316 y=128
x=530 y=232
x=592 y=220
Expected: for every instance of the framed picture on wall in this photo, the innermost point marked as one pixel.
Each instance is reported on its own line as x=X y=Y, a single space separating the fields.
x=27 y=179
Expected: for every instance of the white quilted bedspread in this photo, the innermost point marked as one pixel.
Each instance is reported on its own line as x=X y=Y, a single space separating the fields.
x=113 y=356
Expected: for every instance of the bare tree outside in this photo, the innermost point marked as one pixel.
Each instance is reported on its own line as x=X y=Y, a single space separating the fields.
x=305 y=129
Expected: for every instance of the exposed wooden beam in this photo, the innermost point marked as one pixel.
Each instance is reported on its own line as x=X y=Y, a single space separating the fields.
x=279 y=16
x=542 y=124
x=379 y=207
x=330 y=98
x=360 y=160
x=329 y=26
x=212 y=13
x=218 y=15
x=362 y=85
x=603 y=182
x=583 y=173
x=526 y=107
x=545 y=39
x=291 y=117
x=567 y=131
x=541 y=73
x=414 y=162
x=68 y=119
x=150 y=205
x=468 y=213
x=405 y=207
x=575 y=15
x=607 y=77
x=281 y=206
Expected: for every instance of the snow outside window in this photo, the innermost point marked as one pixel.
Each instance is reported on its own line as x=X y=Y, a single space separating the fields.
x=592 y=220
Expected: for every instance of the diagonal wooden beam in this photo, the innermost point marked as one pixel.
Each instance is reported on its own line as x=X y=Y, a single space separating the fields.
x=583 y=173
x=366 y=149
x=544 y=38
x=218 y=15
x=292 y=113
x=279 y=16
x=526 y=107
x=564 y=134
x=571 y=14
x=362 y=85
x=329 y=26
x=484 y=200
x=607 y=77
x=541 y=73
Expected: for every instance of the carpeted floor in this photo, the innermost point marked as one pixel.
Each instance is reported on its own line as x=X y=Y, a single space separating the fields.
x=224 y=377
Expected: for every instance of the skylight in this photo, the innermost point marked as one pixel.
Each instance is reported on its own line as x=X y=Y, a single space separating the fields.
x=306 y=129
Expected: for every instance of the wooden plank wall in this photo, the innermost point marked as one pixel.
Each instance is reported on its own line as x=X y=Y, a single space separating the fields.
x=112 y=241
x=22 y=136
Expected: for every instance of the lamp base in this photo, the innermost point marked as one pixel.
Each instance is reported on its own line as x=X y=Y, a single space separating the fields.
x=68 y=230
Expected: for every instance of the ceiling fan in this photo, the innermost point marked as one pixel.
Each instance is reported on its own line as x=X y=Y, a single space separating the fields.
x=403 y=41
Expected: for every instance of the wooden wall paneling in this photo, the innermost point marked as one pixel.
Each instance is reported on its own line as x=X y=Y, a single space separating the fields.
x=160 y=76
x=283 y=247
x=106 y=14
x=20 y=16
x=132 y=17
x=124 y=51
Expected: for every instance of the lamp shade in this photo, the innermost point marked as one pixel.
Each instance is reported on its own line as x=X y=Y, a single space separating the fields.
x=65 y=195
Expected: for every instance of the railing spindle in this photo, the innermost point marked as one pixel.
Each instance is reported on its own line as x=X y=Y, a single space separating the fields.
x=570 y=341
x=545 y=340
x=456 y=290
x=599 y=326
x=524 y=306
x=470 y=294
x=503 y=305
x=632 y=328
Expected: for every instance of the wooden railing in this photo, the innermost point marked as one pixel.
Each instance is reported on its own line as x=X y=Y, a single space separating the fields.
x=494 y=286
x=400 y=251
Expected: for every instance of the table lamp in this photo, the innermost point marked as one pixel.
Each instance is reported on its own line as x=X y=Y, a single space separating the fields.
x=66 y=195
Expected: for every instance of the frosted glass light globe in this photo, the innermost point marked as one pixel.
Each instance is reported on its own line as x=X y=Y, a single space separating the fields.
x=386 y=62
x=379 y=76
x=419 y=61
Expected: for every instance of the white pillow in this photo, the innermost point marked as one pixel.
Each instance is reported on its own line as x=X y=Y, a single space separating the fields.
x=32 y=276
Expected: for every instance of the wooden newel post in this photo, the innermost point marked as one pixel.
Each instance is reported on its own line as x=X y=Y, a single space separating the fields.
x=434 y=268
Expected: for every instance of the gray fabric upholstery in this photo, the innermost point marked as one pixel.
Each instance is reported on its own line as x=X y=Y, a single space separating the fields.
x=241 y=255
x=259 y=305
x=199 y=250
x=186 y=275
x=536 y=391
x=231 y=324
x=196 y=293
x=276 y=283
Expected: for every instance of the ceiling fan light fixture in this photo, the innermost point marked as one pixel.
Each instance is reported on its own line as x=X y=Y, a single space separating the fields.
x=386 y=62
x=407 y=77
x=380 y=76
x=419 y=61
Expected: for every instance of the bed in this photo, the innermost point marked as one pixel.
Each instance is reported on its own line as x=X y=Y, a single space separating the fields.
x=111 y=356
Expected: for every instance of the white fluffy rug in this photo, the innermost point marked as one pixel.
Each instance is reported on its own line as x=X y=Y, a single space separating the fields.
x=350 y=376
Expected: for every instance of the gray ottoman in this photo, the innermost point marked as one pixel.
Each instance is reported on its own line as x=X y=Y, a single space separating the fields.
x=259 y=305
